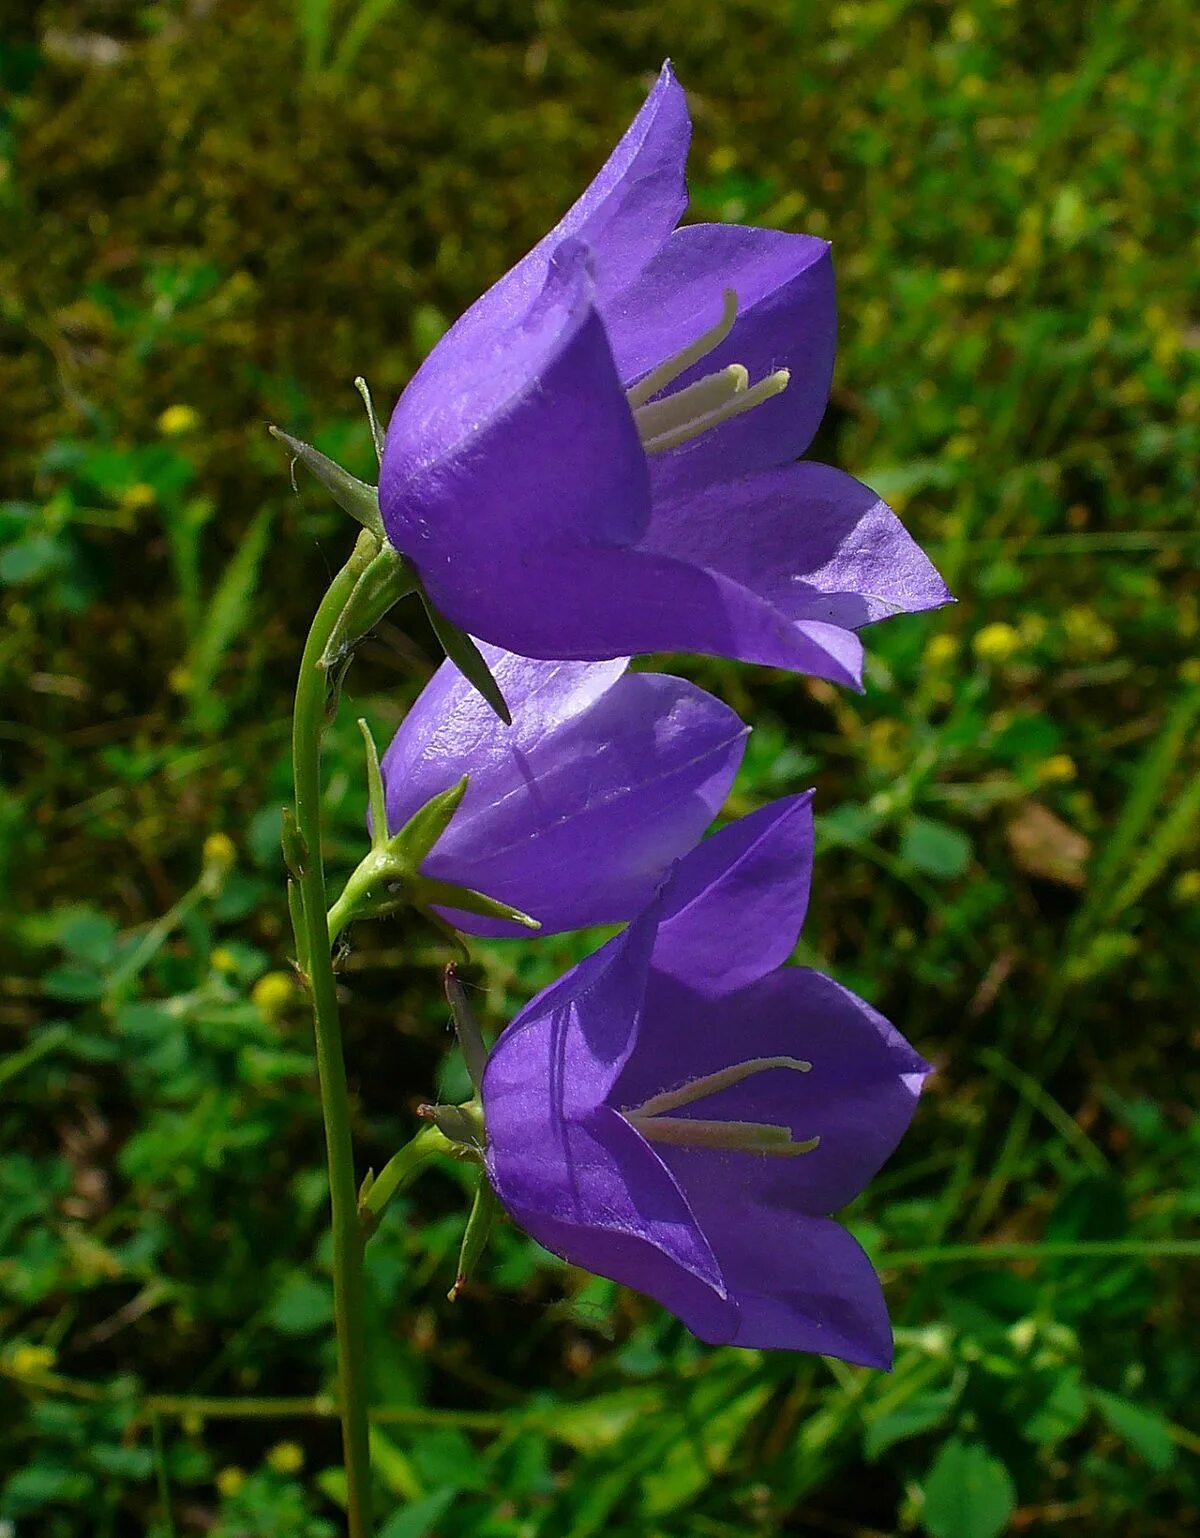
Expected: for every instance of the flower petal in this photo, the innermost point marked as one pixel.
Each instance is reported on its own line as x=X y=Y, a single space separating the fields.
x=811 y=540
x=625 y=215
x=606 y=602
x=575 y=812
x=787 y=318
x=499 y=451
x=734 y=907
x=572 y=1171
x=858 y=1097
x=799 y=1284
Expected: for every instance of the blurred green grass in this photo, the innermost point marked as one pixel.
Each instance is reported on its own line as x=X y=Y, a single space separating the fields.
x=216 y=216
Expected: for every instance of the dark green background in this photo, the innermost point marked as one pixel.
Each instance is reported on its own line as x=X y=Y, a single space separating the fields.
x=236 y=207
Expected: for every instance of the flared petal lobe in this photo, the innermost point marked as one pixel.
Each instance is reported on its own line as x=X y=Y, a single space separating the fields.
x=629 y=210
x=574 y=813
x=734 y=908
x=807 y=539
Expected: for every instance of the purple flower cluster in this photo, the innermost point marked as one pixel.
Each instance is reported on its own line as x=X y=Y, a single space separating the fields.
x=601 y=459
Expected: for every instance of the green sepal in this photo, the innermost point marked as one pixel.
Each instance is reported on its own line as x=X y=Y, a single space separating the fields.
x=423 y=829
x=466 y=1026
x=295 y=901
x=293 y=844
x=360 y=384
x=376 y=798
x=479 y=1226
x=425 y=892
x=351 y=495
x=467 y=658
x=386 y=580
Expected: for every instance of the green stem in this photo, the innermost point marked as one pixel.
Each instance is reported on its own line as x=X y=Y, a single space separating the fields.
x=398 y=1171
x=308 y=729
x=1052 y=1249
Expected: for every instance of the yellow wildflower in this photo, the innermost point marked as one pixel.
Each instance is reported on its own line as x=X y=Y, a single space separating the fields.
x=996 y=642
x=177 y=420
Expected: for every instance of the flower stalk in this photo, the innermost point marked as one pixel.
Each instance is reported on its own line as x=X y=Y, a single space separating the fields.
x=313 y=949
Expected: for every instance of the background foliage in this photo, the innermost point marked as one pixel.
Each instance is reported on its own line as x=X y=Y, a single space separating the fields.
x=216 y=214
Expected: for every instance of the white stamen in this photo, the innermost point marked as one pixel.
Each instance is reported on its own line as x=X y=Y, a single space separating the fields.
x=744 y=400
x=690 y=404
x=737 y=1136
x=712 y=1083
x=659 y=378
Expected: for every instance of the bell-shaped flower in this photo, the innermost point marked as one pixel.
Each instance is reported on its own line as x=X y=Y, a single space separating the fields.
x=682 y=1113
x=599 y=458
x=575 y=812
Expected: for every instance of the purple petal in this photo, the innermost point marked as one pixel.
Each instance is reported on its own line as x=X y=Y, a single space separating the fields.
x=625 y=215
x=494 y=453
x=605 y=602
x=599 y=1198
x=568 y=1168
x=787 y=318
x=574 y=813
x=858 y=1097
x=799 y=1284
x=811 y=540
x=734 y=908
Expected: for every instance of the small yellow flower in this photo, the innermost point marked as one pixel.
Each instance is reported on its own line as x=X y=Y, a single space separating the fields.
x=223 y=960
x=286 y=1458
x=996 y=642
x=220 y=850
x=177 y=420
x=1057 y=769
x=29 y=1361
x=193 y=1424
x=137 y=496
x=940 y=650
x=272 y=993
x=1189 y=671
x=231 y=1481
x=1187 y=886
x=1100 y=328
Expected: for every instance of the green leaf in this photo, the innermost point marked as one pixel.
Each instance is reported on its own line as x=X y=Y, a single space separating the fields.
x=935 y=848
x=87 y=935
x=1061 y=1413
x=968 y=1493
x=1148 y=1434
x=922 y=1413
x=302 y=1306
x=417 y=1518
x=227 y=615
x=73 y=981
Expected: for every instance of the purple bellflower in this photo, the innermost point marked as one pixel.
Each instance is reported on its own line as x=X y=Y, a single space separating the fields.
x=599 y=458
x=574 y=813
x=681 y=1112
